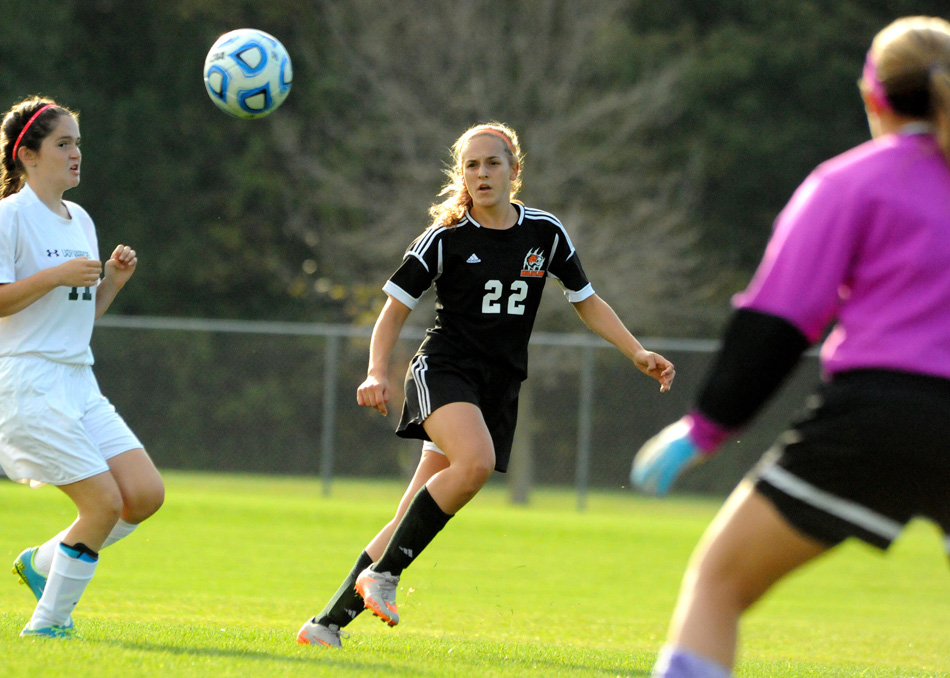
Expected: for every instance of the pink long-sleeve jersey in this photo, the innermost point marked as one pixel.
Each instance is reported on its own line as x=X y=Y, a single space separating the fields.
x=865 y=242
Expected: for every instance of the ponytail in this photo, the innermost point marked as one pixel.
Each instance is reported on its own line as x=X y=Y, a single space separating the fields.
x=11 y=175
x=911 y=60
x=939 y=86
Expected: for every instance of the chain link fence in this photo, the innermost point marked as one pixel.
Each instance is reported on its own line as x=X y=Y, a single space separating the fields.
x=280 y=398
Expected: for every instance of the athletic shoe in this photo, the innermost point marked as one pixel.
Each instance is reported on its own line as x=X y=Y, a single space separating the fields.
x=312 y=633
x=59 y=632
x=378 y=590
x=24 y=568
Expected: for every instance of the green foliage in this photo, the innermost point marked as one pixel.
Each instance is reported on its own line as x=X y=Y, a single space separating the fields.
x=278 y=218
x=219 y=581
x=667 y=135
x=201 y=196
x=770 y=94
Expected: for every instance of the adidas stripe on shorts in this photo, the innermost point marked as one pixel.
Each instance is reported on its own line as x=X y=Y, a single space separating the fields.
x=869 y=453
x=436 y=380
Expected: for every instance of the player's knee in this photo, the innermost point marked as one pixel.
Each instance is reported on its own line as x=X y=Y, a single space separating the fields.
x=730 y=585
x=109 y=507
x=145 y=503
x=476 y=471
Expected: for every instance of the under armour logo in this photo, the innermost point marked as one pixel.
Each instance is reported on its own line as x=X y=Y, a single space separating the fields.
x=52 y=253
x=473 y=259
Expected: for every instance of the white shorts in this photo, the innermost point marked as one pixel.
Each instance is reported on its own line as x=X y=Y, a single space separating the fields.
x=56 y=427
x=430 y=446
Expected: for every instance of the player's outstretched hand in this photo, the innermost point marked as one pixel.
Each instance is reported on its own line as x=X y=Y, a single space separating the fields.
x=663 y=458
x=656 y=366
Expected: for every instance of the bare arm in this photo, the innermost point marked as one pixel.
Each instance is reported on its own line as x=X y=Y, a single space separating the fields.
x=18 y=295
x=374 y=391
x=601 y=319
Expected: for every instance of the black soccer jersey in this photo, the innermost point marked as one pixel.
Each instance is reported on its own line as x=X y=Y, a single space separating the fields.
x=488 y=283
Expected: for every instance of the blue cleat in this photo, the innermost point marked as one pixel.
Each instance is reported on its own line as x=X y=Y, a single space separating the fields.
x=58 y=632
x=24 y=568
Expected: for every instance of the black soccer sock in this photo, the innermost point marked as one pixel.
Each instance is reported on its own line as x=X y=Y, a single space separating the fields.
x=346 y=603
x=423 y=520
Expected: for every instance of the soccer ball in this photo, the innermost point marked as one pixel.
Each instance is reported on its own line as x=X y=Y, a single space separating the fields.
x=248 y=73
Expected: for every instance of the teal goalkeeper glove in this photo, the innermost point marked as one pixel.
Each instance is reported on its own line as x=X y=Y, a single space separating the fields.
x=664 y=457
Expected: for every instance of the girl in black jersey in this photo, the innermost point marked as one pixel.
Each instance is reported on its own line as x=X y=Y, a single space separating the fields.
x=488 y=258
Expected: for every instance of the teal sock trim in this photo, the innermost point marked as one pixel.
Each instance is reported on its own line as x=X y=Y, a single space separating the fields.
x=80 y=552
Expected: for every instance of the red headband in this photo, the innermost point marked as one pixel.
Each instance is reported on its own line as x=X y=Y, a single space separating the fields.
x=26 y=127
x=497 y=133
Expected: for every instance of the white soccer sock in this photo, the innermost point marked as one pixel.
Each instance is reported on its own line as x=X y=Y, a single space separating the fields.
x=121 y=530
x=44 y=554
x=68 y=579
x=43 y=558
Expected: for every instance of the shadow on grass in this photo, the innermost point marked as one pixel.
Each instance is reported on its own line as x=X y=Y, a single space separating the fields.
x=461 y=665
x=484 y=658
x=324 y=657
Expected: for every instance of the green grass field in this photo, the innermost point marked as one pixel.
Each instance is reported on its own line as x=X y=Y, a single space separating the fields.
x=219 y=581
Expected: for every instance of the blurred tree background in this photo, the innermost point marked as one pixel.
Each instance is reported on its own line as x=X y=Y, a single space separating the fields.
x=666 y=135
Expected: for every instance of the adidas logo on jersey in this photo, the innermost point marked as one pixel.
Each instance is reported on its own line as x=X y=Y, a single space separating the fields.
x=408 y=552
x=473 y=259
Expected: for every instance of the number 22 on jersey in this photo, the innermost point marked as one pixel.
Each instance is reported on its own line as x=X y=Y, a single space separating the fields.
x=495 y=290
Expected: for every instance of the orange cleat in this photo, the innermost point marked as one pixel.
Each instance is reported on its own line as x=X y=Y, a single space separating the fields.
x=378 y=590
x=312 y=633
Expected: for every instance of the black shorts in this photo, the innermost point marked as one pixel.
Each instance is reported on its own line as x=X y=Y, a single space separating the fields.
x=870 y=452
x=435 y=380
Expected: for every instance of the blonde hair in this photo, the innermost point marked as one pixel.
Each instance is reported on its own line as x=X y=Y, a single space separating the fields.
x=911 y=59
x=452 y=210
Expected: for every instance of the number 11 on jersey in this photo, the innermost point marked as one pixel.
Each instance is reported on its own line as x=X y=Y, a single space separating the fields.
x=86 y=294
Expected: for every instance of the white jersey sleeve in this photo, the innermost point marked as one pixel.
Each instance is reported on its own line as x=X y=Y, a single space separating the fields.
x=58 y=326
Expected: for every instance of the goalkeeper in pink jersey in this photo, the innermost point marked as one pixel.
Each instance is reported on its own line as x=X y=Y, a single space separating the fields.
x=864 y=243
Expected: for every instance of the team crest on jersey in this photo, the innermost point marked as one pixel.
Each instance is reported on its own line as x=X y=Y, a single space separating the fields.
x=533 y=264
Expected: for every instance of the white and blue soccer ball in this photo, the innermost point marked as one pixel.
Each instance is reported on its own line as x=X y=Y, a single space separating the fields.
x=248 y=73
